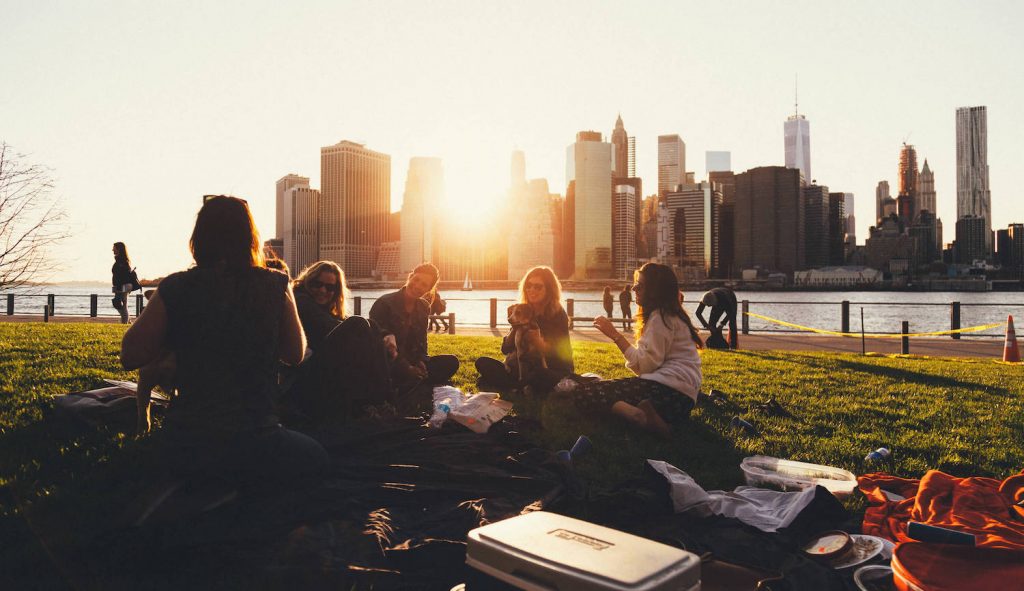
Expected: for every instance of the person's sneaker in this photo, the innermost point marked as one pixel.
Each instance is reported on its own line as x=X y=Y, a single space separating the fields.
x=772 y=408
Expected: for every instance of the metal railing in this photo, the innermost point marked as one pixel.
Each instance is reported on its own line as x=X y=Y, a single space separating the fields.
x=48 y=303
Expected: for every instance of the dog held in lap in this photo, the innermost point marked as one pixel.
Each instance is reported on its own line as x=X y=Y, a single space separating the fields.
x=528 y=356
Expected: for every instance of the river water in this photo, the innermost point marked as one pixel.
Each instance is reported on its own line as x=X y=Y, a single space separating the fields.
x=883 y=311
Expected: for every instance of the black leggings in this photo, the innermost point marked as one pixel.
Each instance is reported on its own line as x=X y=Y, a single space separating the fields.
x=349 y=371
x=597 y=398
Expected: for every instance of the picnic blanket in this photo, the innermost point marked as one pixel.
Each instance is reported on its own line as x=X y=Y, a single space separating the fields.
x=985 y=507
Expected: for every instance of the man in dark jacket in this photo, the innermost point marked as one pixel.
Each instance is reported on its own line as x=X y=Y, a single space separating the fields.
x=723 y=306
x=404 y=314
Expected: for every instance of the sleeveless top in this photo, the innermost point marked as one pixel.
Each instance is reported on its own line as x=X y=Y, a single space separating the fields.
x=224 y=327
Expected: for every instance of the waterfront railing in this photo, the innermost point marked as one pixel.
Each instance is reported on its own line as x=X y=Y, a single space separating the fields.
x=755 y=316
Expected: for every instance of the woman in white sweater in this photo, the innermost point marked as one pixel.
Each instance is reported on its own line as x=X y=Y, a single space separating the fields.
x=665 y=359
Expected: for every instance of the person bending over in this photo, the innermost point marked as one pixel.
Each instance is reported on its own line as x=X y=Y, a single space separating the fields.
x=540 y=290
x=723 y=306
x=665 y=358
x=403 y=314
x=349 y=366
x=229 y=321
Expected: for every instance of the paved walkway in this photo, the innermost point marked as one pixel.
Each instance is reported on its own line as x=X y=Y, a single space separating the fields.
x=937 y=347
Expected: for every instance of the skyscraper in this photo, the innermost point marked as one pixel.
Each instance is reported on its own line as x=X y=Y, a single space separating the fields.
x=717 y=162
x=671 y=163
x=726 y=180
x=424 y=192
x=816 y=226
x=620 y=150
x=881 y=194
x=908 y=174
x=850 y=226
x=926 y=189
x=694 y=213
x=973 y=196
x=624 y=201
x=797 y=130
x=283 y=184
x=769 y=219
x=589 y=168
x=302 y=228
x=530 y=228
x=355 y=203
x=836 y=228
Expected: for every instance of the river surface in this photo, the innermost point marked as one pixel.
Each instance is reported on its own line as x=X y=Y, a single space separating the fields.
x=883 y=311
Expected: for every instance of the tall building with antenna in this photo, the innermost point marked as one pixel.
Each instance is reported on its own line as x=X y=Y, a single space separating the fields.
x=798 y=142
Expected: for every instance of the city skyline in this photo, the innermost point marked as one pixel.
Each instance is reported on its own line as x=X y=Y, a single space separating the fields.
x=174 y=104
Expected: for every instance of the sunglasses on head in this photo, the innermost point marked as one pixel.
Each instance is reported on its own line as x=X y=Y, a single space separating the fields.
x=317 y=284
x=210 y=197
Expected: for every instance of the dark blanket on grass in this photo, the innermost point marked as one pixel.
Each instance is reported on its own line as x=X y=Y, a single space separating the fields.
x=393 y=513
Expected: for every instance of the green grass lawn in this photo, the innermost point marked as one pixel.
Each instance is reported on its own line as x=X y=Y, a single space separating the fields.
x=963 y=417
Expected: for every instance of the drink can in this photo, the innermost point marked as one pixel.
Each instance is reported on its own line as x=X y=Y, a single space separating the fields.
x=746 y=426
x=877 y=455
x=581 y=447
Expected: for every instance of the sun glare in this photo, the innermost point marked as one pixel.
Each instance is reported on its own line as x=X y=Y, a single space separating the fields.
x=471 y=211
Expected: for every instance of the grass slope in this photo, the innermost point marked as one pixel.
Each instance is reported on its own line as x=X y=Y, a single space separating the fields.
x=963 y=417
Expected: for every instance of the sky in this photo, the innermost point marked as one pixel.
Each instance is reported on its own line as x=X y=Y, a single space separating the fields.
x=141 y=108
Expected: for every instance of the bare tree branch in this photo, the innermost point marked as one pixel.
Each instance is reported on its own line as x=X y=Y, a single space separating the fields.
x=32 y=220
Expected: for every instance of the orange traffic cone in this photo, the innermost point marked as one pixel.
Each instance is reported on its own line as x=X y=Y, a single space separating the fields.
x=1011 y=353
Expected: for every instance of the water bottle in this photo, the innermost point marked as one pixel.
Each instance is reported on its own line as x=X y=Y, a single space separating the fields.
x=441 y=411
x=747 y=427
x=877 y=455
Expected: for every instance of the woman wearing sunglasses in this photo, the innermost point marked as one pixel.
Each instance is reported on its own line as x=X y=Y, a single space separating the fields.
x=348 y=369
x=541 y=290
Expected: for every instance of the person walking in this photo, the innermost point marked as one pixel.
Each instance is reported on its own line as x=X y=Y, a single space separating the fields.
x=609 y=302
x=123 y=280
x=664 y=357
x=625 y=299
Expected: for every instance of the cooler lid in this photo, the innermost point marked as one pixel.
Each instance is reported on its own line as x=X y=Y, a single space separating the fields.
x=557 y=541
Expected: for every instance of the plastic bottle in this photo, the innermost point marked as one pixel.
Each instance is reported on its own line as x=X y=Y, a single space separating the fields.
x=441 y=410
x=877 y=455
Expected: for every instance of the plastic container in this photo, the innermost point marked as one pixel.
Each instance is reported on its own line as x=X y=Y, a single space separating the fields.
x=545 y=551
x=789 y=475
x=918 y=566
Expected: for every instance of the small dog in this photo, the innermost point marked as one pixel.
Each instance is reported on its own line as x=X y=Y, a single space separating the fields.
x=526 y=334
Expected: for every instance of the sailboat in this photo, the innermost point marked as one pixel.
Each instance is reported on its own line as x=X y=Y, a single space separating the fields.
x=467 y=285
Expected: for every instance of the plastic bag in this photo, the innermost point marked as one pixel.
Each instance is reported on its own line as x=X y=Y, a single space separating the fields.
x=480 y=411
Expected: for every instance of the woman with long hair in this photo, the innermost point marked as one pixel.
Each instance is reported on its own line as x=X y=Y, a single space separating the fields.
x=541 y=291
x=349 y=368
x=228 y=321
x=664 y=356
x=121 y=280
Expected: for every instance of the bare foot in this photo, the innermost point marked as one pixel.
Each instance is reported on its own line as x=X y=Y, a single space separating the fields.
x=654 y=421
x=632 y=414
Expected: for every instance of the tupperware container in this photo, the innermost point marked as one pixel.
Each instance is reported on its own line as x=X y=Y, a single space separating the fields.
x=766 y=471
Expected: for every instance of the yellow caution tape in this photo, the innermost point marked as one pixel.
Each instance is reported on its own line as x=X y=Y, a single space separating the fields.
x=876 y=335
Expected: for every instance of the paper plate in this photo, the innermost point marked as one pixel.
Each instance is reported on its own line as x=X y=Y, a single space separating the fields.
x=864 y=549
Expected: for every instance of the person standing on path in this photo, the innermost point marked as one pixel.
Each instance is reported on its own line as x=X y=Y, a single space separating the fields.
x=122 y=281
x=609 y=302
x=723 y=306
x=625 y=299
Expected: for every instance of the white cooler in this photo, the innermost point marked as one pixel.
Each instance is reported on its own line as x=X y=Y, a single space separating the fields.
x=543 y=551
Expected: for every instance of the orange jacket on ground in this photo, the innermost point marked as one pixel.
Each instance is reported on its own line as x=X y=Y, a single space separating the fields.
x=984 y=507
